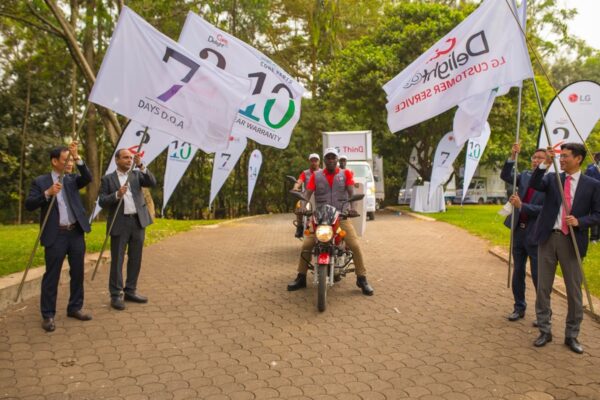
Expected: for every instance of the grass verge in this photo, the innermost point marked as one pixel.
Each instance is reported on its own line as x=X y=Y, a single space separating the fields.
x=16 y=241
x=484 y=221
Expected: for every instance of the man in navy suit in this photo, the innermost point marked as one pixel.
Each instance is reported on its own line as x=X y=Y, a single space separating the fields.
x=527 y=204
x=593 y=171
x=580 y=210
x=64 y=232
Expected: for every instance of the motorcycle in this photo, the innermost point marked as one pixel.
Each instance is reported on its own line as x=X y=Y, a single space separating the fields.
x=332 y=259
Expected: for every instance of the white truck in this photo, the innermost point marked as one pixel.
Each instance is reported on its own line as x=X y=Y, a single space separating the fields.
x=357 y=146
x=486 y=187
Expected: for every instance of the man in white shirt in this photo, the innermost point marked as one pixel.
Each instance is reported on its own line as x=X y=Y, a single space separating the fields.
x=121 y=193
x=580 y=210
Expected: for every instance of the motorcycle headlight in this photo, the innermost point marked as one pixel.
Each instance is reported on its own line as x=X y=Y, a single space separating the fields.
x=324 y=233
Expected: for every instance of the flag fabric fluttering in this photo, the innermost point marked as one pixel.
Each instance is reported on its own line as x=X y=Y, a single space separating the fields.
x=475 y=148
x=223 y=164
x=253 y=169
x=179 y=157
x=485 y=51
x=270 y=113
x=443 y=159
x=148 y=77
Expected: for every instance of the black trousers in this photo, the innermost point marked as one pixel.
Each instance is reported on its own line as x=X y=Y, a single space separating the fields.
x=131 y=238
x=72 y=244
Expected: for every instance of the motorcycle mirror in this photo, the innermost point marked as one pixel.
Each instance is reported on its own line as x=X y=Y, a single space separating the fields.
x=297 y=195
x=355 y=197
x=291 y=178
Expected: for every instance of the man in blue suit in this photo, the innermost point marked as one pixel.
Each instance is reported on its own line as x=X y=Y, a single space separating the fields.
x=527 y=204
x=593 y=171
x=580 y=210
x=64 y=232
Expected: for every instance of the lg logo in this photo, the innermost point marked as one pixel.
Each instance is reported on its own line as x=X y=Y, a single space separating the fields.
x=574 y=98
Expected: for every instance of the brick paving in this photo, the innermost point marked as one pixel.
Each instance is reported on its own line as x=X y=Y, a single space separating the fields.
x=220 y=325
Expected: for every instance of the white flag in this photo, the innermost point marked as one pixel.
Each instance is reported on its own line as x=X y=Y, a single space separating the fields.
x=179 y=158
x=475 y=148
x=151 y=79
x=472 y=113
x=445 y=154
x=253 y=169
x=582 y=101
x=471 y=116
x=154 y=143
x=224 y=162
x=269 y=115
x=485 y=51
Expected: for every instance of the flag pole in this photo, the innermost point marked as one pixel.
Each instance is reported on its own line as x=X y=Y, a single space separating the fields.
x=515 y=171
x=112 y=222
x=52 y=201
x=558 y=181
x=564 y=202
x=543 y=69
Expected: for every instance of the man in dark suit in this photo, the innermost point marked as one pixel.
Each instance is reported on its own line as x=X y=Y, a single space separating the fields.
x=593 y=171
x=580 y=211
x=527 y=204
x=128 y=231
x=63 y=235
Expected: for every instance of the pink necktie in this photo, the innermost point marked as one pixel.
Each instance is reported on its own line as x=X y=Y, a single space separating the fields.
x=565 y=227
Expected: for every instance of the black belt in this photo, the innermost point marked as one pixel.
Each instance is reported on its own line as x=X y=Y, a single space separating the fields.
x=130 y=215
x=66 y=227
x=557 y=231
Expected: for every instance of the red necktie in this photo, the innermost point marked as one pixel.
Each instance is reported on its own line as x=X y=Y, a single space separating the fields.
x=565 y=227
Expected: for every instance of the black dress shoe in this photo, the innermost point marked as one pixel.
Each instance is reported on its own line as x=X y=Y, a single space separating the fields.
x=117 y=304
x=48 y=324
x=516 y=315
x=574 y=345
x=79 y=315
x=136 y=298
x=298 y=283
x=543 y=339
x=361 y=282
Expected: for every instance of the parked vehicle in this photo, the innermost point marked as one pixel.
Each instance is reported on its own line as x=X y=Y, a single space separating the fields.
x=330 y=260
x=481 y=192
x=362 y=169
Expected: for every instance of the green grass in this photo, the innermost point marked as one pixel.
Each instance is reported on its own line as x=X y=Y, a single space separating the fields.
x=16 y=241
x=484 y=221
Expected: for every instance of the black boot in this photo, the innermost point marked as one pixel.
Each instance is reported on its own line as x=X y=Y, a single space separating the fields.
x=299 y=231
x=361 y=282
x=298 y=283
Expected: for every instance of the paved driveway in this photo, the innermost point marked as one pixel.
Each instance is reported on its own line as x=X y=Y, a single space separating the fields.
x=220 y=325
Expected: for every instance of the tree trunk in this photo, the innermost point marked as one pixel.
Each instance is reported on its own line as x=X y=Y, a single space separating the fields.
x=23 y=136
x=108 y=118
x=91 y=143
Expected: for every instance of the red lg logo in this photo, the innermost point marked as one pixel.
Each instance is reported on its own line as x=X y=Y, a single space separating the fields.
x=573 y=98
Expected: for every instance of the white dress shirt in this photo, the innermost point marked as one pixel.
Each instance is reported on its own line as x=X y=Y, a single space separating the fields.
x=574 y=181
x=129 y=205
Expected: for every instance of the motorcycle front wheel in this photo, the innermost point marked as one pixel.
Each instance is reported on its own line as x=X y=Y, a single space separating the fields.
x=322 y=270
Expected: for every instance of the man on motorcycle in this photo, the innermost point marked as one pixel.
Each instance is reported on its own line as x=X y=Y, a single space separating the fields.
x=330 y=186
x=303 y=179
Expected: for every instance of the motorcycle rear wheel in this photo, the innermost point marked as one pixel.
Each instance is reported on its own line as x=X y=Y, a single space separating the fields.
x=322 y=270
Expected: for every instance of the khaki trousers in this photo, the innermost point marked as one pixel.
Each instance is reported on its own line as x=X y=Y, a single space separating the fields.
x=351 y=240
